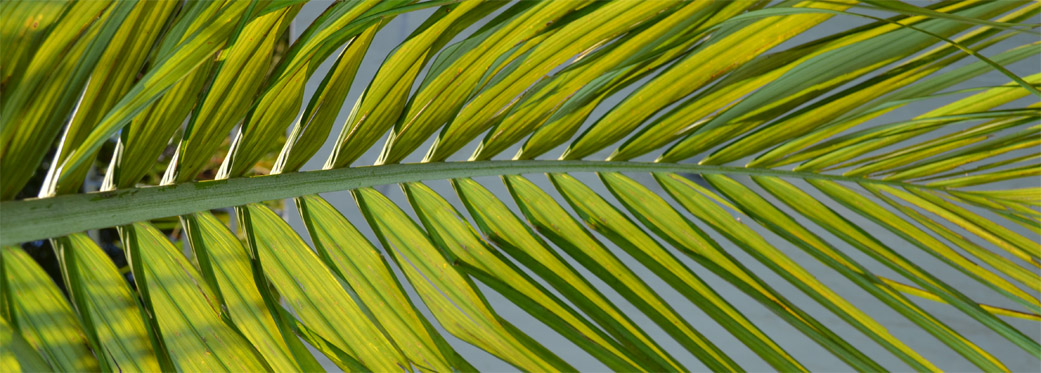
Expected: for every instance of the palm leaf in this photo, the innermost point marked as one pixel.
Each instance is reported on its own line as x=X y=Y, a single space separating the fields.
x=783 y=160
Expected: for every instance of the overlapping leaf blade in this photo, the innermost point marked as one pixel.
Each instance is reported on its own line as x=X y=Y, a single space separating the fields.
x=39 y=311
x=364 y=268
x=113 y=320
x=705 y=73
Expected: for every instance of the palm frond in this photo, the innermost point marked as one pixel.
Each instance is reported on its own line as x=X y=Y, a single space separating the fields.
x=899 y=153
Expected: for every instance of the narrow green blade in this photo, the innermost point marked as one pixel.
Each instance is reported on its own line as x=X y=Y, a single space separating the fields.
x=515 y=238
x=226 y=266
x=355 y=260
x=451 y=297
x=607 y=220
x=107 y=306
x=561 y=228
x=309 y=288
x=183 y=306
x=18 y=355
x=663 y=219
x=823 y=216
x=41 y=314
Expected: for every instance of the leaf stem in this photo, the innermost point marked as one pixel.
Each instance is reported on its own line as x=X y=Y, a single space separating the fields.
x=35 y=219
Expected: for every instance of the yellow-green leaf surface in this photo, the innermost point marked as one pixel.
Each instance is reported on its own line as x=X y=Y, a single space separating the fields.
x=26 y=129
x=112 y=77
x=313 y=293
x=503 y=227
x=842 y=102
x=879 y=46
x=844 y=229
x=866 y=140
x=921 y=89
x=549 y=95
x=170 y=69
x=109 y=310
x=364 y=268
x=1024 y=139
x=748 y=239
x=384 y=100
x=604 y=218
x=28 y=25
x=820 y=138
x=691 y=73
x=281 y=102
x=1017 y=245
x=907 y=289
x=184 y=307
x=226 y=265
x=318 y=119
x=901 y=227
x=657 y=215
x=148 y=135
x=602 y=24
x=555 y=223
x=915 y=153
x=440 y=99
x=461 y=243
x=451 y=297
x=239 y=79
x=41 y=314
x=18 y=355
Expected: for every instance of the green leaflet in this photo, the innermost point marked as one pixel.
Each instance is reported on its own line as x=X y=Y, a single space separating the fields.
x=722 y=79
x=844 y=229
x=25 y=130
x=225 y=265
x=461 y=243
x=789 y=151
x=39 y=311
x=941 y=144
x=112 y=77
x=19 y=356
x=667 y=223
x=563 y=124
x=909 y=232
x=549 y=95
x=551 y=219
x=840 y=103
x=110 y=312
x=604 y=218
x=170 y=69
x=384 y=101
x=450 y=296
x=29 y=22
x=361 y=265
x=816 y=74
x=1023 y=171
x=690 y=74
x=313 y=293
x=317 y=120
x=183 y=306
x=239 y=79
x=855 y=144
x=449 y=89
x=1027 y=138
x=847 y=147
x=343 y=360
x=907 y=289
x=600 y=25
x=1015 y=244
x=144 y=139
x=281 y=101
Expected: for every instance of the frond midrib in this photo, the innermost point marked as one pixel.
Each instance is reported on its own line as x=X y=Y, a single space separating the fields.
x=34 y=219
